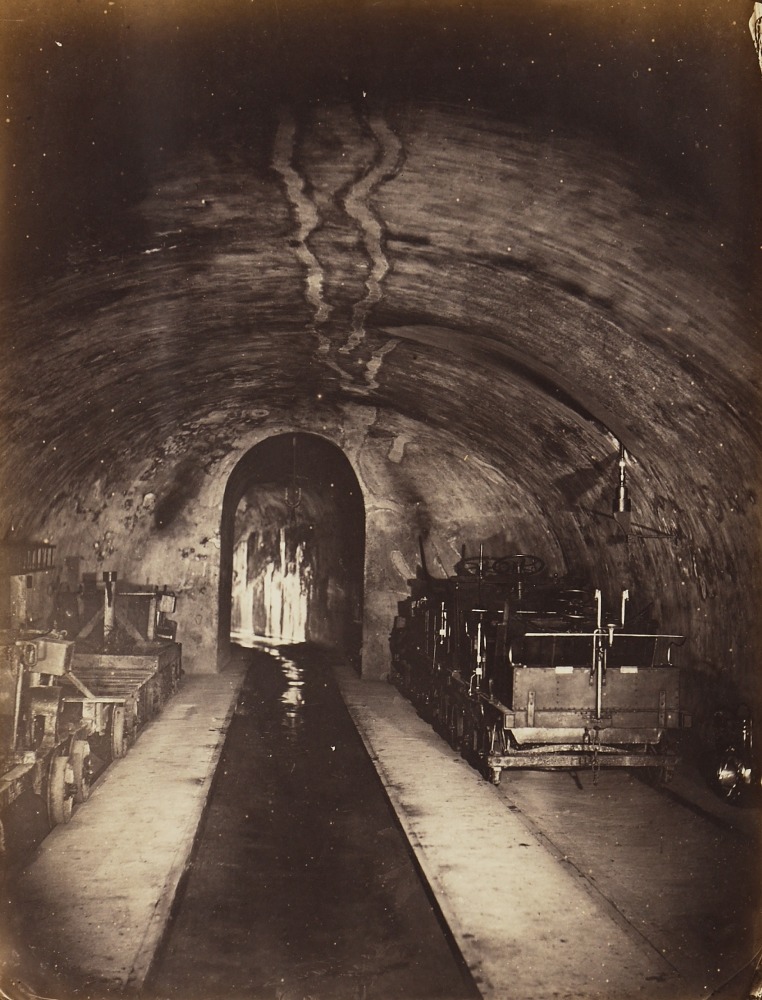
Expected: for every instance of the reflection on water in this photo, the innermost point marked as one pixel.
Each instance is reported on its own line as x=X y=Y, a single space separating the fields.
x=292 y=698
x=302 y=883
x=288 y=691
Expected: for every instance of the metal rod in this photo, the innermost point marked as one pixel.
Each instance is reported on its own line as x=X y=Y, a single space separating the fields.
x=17 y=701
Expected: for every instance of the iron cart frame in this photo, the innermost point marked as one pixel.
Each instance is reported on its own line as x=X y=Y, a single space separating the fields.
x=516 y=672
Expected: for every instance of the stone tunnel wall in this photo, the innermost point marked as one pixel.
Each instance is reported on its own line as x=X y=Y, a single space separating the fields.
x=446 y=326
x=163 y=527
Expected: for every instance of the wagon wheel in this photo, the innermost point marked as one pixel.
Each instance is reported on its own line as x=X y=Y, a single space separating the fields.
x=458 y=728
x=60 y=791
x=728 y=777
x=519 y=565
x=440 y=720
x=116 y=733
x=477 y=735
x=577 y=603
x=81 y=765
x=426 y=706
x=476 y=566
x=467 y=735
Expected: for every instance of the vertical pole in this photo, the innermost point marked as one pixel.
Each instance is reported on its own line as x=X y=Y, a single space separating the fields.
x=598 y=655
x=19 y=664
x=153 y=606
x=625 y=598
x=109 y=605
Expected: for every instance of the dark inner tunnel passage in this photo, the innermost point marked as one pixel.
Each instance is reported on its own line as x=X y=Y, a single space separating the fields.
x=293 y=546
x=302 y=884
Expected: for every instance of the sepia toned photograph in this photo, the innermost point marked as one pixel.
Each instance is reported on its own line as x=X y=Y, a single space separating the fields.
x=381 y=471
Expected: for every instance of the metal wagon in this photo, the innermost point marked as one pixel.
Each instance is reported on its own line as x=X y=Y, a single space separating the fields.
x=517 y=671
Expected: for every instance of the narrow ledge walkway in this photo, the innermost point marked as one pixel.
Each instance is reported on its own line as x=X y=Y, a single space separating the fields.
x=99 y=890
x=527 y=926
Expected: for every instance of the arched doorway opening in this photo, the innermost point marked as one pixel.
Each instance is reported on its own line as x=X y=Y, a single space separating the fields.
x=292 y=547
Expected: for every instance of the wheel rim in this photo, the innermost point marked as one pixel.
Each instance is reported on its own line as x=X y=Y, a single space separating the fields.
x=117 y=742
x=60 y=791
x=728 y=778
x=80 y=765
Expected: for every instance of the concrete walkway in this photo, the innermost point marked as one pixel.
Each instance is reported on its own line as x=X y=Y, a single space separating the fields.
x=526 y=925
x=98 y=893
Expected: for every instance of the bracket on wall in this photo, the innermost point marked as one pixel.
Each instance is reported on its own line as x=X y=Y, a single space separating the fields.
x=621 y=508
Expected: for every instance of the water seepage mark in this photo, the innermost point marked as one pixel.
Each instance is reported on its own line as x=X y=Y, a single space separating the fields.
x=386 y=165
x=307 y=220
x=374 y=365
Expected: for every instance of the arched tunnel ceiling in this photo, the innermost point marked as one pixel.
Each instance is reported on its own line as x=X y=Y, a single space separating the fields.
x=518 y=234
x=290 y=477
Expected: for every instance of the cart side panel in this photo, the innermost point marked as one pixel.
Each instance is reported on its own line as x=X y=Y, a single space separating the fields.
x=646 y=698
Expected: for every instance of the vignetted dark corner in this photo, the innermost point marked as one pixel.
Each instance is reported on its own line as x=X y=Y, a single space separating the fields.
x=407 y=341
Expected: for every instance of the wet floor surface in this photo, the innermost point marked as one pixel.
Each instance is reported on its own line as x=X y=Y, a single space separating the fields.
x=302 y=885
x=683 y=878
